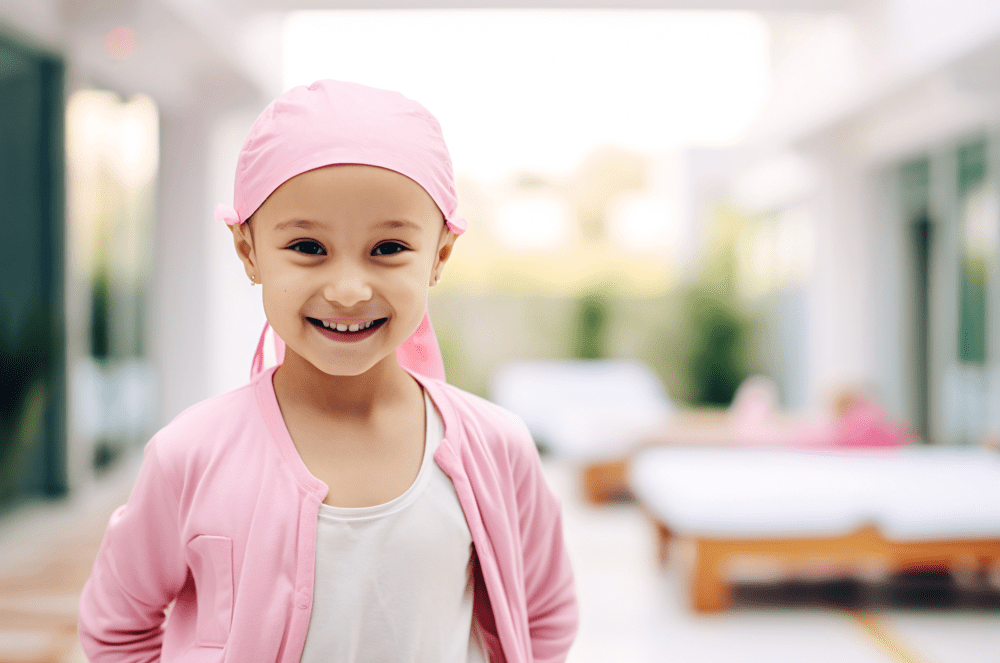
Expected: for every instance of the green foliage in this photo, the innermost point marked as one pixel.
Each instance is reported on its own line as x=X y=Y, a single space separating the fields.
x=591 y=327
x=719 y=333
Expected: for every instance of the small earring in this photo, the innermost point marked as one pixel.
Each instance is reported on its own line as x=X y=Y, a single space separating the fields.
x=253 y=280
x=437 y=279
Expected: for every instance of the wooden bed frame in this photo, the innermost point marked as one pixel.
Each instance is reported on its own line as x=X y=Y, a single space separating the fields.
x=606 y=481
x=711 y=590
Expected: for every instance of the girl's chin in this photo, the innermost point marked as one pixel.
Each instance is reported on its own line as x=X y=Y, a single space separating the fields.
x=340 y=359
x=345 y=369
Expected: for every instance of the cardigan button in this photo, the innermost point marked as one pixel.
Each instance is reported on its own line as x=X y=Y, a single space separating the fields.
x=302 y=598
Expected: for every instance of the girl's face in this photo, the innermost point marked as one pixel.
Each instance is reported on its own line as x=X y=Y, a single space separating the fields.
x=345 y=255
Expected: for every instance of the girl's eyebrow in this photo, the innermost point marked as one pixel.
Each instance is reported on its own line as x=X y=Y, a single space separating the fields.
x=305 y=224
x=399 y=223
x=391 y=224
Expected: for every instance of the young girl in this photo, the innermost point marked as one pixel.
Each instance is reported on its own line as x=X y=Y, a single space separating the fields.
x=348 y=504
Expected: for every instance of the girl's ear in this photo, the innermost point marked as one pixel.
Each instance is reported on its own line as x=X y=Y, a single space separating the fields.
x=243 y=240
x=445 y=247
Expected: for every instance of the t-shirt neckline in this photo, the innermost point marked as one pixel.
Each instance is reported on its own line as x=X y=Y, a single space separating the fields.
x=432 y=437
x=275 y=422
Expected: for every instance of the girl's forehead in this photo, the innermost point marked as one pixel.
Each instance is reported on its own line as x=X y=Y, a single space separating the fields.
x=361 y=192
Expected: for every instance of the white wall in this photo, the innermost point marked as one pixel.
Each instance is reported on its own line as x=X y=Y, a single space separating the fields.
x=177 y=318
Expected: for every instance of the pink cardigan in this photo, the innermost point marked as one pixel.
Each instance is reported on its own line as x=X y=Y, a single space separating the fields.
x=222 y=521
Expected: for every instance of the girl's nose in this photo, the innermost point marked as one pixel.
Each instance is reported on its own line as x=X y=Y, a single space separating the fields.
x=347 y=286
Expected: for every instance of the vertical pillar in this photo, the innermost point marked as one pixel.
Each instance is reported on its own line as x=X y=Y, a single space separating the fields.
x=178 y=320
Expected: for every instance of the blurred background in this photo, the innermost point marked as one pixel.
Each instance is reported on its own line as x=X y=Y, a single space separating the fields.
x=665 y=199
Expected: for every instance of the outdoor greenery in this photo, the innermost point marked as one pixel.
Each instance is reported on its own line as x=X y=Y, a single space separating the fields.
x=719 y=335
x=590 y=335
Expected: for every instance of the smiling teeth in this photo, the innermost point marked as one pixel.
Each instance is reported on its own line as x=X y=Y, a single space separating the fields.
x=348 y=328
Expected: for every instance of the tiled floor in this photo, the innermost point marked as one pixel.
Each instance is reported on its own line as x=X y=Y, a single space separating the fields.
x=45 y=559
x=631 y=609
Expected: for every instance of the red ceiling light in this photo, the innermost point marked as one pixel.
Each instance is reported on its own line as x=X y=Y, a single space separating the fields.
x=120 y=42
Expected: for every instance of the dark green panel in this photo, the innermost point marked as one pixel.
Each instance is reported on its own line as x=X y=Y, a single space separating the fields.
x=973 y=267
x=914 y=187
x=972 y=316
x=32 y=386
x=971 y=164
x=914 y=199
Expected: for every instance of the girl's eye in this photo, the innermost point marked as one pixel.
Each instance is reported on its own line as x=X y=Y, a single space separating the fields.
x=308 y=247
x=388 y=249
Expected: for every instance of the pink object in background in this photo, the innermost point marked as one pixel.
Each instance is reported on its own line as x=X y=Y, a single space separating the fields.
x=757 y=420
x=865 y=425
x=755 y=414
x=861 y=423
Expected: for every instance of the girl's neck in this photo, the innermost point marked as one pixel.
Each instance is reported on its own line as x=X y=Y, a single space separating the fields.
x=385 y=384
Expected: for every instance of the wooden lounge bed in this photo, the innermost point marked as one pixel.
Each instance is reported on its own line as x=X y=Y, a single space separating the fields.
x=904 y=509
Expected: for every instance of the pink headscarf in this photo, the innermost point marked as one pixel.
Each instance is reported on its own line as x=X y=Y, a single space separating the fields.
x=332 y=122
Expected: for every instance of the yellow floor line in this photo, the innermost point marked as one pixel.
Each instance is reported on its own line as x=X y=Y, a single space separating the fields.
x=876 y=630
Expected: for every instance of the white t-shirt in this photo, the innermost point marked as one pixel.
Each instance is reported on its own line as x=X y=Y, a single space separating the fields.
x=394 y=581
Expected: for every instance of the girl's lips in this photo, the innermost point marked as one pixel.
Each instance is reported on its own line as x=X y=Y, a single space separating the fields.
x=347 y=336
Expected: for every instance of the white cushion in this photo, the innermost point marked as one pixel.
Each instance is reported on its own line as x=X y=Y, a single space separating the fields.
x=583 y=409
x=918 y=493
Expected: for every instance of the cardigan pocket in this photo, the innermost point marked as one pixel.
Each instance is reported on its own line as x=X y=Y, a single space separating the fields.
x=211 y=562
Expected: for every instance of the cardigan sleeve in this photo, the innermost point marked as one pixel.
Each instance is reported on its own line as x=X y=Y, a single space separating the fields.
x=139 y=570
x=553 y=614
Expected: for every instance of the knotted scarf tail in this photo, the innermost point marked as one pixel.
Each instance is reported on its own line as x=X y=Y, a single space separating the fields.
x=420 y=353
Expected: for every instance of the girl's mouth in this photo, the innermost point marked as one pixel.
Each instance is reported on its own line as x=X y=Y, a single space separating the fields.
x=348 y=333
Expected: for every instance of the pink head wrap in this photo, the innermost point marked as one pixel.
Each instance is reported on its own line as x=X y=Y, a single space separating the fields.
x=331 y=122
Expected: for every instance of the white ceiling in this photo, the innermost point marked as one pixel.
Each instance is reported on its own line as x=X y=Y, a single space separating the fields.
x=755 y=5
x=196 y=53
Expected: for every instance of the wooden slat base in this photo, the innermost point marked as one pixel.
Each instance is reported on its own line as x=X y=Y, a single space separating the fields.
x=607 y=481
x=711 y=592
